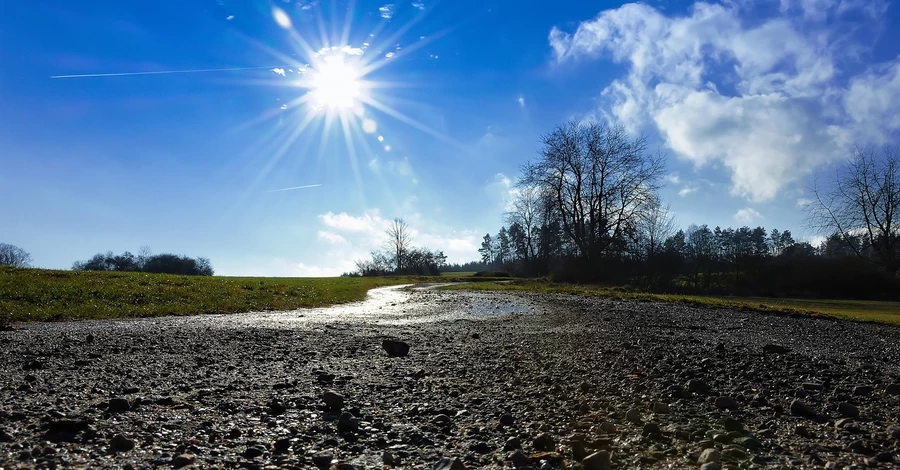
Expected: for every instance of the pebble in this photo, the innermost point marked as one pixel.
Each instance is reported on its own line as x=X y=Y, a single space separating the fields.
x=118 y=405
x=711 y=466
x=659 y=407
x=183 y=460
x=726 y=403
x=597 y=461
x=697 y=386
x=395 y=348
x=507 y=419
x=121 y=443
x=449 y=464
x=633 y=416
x=511 y=444
x=848 y=410
x=253 y=452
x=892 y=389
x=282 y=445
x=863 y=390
x=5 y=436
x=708 y=456
x=334 y=401
x=544 y=441
x=798 y=408
x=347 y=423
x=775 y=349
x=518 y=458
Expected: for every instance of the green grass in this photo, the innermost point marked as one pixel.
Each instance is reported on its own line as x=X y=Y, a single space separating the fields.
x=47 y=295
x=855 y=310
x=459 y=274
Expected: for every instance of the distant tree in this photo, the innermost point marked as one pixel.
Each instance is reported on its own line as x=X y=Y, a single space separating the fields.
x=11 y=255
x=399 y=240
x=503 y=246
x=144 y=255
x=487 y=249
x=863 y=201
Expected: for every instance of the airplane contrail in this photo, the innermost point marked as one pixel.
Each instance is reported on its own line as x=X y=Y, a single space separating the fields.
x=160 y=72
x=295 y=187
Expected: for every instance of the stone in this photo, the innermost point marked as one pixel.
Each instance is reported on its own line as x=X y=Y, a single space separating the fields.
x=633 y=416
x=608 y=427
x=660 y=408
x=798 y=408
x=732 y=424
x=121 y=443
x=734 y=453
x=848 y=410
x=711 y=466
x=519 y=459
x=859 y=446
x=5 y=436
x=282 y=445
x=480 y=447
x=449 y=464
x=726 y=403
x=507 y=419
x=322 y=459
x=334 y=401
x=544 y=442
x=708 y=456
x=512 y=444
x=395 y=348
x=183 y=460
x=748 y=442
x=775 y=349
x=234 y=433
x=863 y=390
x=894 y=432
x=252 y=452
x=892 y=389
x=697 y=386
x=651 y=429
x=118 y=405
x=347 y=423
x=67 y=426
x=596 y=461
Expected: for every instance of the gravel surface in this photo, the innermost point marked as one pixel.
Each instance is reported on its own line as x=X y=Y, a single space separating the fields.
x=452 y=380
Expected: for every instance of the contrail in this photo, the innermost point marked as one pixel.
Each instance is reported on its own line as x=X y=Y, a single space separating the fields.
x=295 y=187
x=160 y=72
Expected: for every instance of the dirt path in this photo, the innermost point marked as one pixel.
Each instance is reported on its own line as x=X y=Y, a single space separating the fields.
x=495 y=380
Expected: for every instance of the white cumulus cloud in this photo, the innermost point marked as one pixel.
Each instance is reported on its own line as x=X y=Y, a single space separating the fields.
x=770 y=100
x=747 y=215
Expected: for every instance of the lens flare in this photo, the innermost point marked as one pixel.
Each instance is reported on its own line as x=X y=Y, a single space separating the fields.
x=334 y=84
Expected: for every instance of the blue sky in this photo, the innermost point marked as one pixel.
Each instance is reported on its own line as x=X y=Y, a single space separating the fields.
x=748 y=100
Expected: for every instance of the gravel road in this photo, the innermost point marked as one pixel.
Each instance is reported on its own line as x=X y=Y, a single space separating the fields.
x=490 y=381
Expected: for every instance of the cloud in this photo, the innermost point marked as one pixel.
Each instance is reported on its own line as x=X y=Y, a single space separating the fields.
x=400 y=167
x=673 y=178
x=503 y=190
x=418 y=5
x=803 y=202
x=279 y=71
x=387 y=11
x=229 y=17
x=521 y=101
x=687 y=189
x=770 y=100
x=747 y=215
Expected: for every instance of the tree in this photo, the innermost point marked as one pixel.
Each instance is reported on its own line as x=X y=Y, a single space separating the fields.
x=503 y=246
x=487 y=249
x=398 y=243
x=863 y=201
x=599 y=179
x=11 y=255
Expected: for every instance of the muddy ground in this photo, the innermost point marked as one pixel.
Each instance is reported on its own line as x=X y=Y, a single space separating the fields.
x=491 y=380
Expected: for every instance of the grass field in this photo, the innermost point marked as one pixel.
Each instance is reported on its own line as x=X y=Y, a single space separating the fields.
x=47 y=295
x=856 y=310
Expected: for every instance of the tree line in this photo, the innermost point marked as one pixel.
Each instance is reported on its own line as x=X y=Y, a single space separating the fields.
x=587 y=209
x=145 y=261
x=399 y=256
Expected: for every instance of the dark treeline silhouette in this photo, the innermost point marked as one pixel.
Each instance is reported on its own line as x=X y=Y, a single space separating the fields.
x=147 y=262
x=587 y=210
x=400 y=256
x=471 y=266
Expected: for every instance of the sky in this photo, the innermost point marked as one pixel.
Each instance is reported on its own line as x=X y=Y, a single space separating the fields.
x=280 y=137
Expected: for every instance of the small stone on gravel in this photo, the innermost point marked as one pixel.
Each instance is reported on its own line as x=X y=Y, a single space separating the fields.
x=121 y=443
x=596 y=461
x=660 y=408
x=633 y=416
x=708 y=456
x=183 y=460
x=282 y=445
x=395 y=348
x=334 y=401
x=449 y=464
x=347 y=423
x=118 y=405
x=892 y=389
x=848 y=410
x=253 y=452
x=512 y=443
x=518 y=458
x=711 y=466
x=726 y=403
x=863 y=390
x=775 y=349
x=543 y=441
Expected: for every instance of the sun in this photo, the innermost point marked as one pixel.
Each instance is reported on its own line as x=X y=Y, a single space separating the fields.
x=335 y=84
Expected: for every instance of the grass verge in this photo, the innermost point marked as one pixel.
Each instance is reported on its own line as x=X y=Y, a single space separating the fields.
x=855 y=310
x=48 y=295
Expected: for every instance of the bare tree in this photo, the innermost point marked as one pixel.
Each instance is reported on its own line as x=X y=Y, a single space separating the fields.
x=600 y=179
x=525 y=212
x=655 y=224
x=11 y=255
x=863 y=202
x=399 y=240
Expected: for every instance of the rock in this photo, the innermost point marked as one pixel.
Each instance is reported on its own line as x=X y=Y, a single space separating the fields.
x=726 y=403
x=90 y=338
x=660 y=408
x=322 y=459
x=507 y=419
x=395 y=348
x=608 y=427
x=544 y=442
x=859 y=446
x=334 y=401
x=697 y=386
x=863 y=390
x=282 y=445
x=118 y=405
x=798 y=408
x=894 y=432
x=734 y=453
x=848 y=410
x=732 y=424
x=802 y=431
x=183 y=460
x=775 y=349
x=449 y=464
x=234 y=433
x=121 y=443
x=711 y=466
x=277 y=408
x=480 y=447
x=5 y=436
x=885 y=457
x=651 y=429
x=343 y=466
x=252 y=452
x=347 y=423
x=519 y=459
x=633 y=416
x=596 y=461
x=33 y=364
x=388 y=458
x=892 y=389
x=67 y=426
x=511 y=444
x=709 y=456
x=748 y=442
